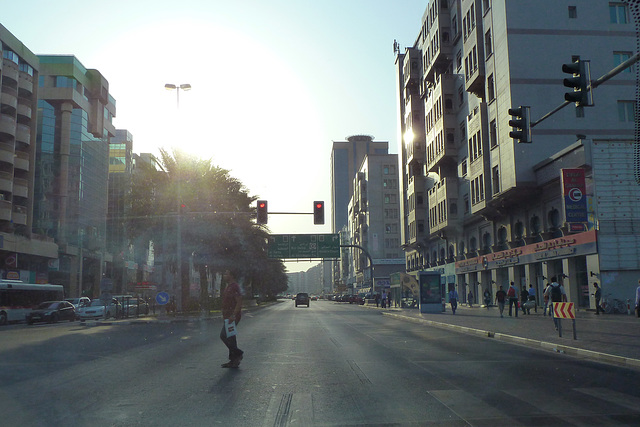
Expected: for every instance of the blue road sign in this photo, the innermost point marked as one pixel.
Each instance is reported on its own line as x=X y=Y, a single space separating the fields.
x=162 y=298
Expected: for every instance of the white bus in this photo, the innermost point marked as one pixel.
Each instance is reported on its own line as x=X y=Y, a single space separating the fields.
x=18 y=298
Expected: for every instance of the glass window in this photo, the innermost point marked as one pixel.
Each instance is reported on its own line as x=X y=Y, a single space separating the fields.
x=10 y=55
x=626 y=111
x=618 y=13
x=573 y=12
x=620 y=57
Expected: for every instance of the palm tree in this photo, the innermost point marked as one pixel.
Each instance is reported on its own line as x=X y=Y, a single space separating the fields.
x=209 y=209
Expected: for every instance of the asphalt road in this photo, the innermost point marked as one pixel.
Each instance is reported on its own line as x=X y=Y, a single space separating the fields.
x=332 y=364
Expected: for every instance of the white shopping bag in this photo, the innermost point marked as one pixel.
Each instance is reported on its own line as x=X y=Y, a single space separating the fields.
x=230 y=328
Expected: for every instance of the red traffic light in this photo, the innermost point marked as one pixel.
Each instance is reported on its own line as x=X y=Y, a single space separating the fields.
x=318 y=212
x=262 y=213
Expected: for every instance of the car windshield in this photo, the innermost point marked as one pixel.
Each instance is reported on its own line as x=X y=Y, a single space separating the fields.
x=49 y=305
x=97 y=303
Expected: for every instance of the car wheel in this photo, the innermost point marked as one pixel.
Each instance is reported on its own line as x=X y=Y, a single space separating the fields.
x=54 y=318
x=3 y=319
x=29 y=322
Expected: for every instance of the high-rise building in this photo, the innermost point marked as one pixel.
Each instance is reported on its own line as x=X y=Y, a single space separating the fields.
x=74 y=127
x=485 y=210
x=120 y=173
x=346 y=158
x=374 y=223
x=24 y=255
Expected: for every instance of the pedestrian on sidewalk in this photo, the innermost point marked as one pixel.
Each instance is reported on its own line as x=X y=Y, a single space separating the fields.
x=556 y=294
x=389 y=299
x=377 y=300
x=470 y=298
x=512 y=293
x=524 y=297
x=501 y=295
x=384 y=299
x=487 y=298
x=545 y=297
x=453 y=299
x=638 y=300
x=597 y=294
x=532 y=297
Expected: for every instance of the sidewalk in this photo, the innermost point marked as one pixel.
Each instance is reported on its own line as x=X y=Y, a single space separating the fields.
x=609 y=338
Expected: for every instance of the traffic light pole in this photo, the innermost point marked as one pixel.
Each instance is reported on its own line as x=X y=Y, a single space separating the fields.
x=617 y=70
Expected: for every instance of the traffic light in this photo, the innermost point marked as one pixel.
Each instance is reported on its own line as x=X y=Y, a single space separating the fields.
x=318 y=212
x=580 y=81
x=521 y=124
x=262 y=213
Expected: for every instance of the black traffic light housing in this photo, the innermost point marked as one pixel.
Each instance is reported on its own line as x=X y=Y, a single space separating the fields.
x=580 y=81
x=262 y=212
x=521 y=124
x=318 y=212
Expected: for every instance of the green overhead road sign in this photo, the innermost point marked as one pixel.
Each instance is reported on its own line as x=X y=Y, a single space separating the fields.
x=304 y=246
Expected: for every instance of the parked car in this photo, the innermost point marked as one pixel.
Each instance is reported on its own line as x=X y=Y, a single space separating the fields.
x=302 y=299
x=97 y=310
x=79 y=302
x=51 y=312
x=135 y=306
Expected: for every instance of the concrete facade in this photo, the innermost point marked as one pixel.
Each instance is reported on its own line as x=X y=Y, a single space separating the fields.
x=24 y=255
x=481 y=208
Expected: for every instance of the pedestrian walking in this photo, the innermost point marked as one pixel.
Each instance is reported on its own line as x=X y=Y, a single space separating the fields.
x=545 y=298
x=470 y=298
x=638 y=299
x=512 y=293
x=556 y=294
x=377 y=300
x=231 y=314
x=524 y=297
x=453 y=299
x=532 y=297
x=487 y=298
x=597 y=294
x=501 y=296
x=383 y=300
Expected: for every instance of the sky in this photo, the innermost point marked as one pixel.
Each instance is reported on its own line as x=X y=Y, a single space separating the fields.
x=273 y=83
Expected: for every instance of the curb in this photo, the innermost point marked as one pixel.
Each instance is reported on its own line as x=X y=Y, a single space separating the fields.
x=626 y=362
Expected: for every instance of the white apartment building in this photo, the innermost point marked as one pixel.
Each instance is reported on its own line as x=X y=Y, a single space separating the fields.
x=374 y=223
x=484 y=210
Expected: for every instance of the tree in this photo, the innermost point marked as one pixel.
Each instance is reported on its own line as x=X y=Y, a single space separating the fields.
x=212 y=210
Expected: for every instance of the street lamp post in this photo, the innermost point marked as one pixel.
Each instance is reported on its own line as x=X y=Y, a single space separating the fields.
x=177 y=88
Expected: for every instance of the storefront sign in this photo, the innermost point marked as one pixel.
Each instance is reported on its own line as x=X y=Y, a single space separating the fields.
x=574 y=245
x=574 y=194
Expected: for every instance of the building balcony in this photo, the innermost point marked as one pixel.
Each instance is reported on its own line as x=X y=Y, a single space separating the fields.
x=443 y=203
x=7 y=127
x=474 y=63
x=24 y=108
x=9 y=98
x=6 y=182
x=20 y=188
x=23 y=134
x=19 y=216
x=439 y=46
x=6 y=153
x=21 y=161
x=10 y=70
x=411 y=68
x=25 y=85
x=5 y=210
